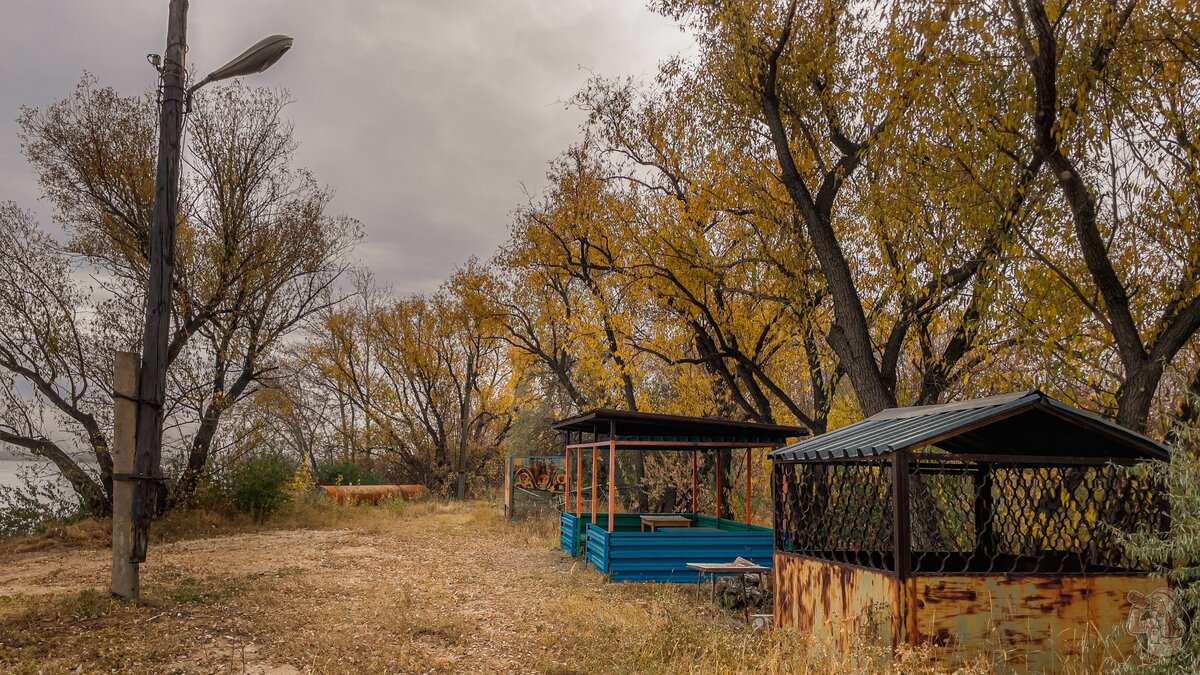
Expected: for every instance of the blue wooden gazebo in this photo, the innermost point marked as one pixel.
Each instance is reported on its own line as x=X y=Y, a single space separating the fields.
x=615 y=543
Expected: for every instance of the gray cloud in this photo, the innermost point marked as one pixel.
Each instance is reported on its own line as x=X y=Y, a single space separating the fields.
x=426 y=117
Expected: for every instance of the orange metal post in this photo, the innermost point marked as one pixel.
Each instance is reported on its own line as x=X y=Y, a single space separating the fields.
x=579 y=483
x=567 y=484
x=612 y=484
x=718 y=457
x=595 y=461
x=749 y=472
x=695 y=479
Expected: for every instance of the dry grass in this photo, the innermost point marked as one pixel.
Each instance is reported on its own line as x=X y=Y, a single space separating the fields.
x=431 y=587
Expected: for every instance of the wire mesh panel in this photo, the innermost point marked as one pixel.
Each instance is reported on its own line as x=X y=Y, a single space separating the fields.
x=968 y=517
x=1022 y=518
x=837 y=511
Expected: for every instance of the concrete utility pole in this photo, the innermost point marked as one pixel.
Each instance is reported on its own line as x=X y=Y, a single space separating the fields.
x=125 y=583
x=152 y=381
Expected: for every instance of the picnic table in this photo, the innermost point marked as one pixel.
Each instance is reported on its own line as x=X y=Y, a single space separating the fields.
x=740 y=567
x=665 y=521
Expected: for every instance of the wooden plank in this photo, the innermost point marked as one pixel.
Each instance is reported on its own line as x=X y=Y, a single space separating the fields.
x=156 y=333
x=665 y=521
x=728 y=567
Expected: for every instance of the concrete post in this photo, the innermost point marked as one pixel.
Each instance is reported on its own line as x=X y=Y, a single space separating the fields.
x=125 y=583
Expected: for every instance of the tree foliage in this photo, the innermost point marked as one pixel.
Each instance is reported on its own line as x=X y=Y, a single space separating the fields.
x=257 y=255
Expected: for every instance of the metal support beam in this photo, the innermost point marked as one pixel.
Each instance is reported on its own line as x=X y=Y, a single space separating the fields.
x=567 y=484
x=902 y=543
x=612 y=485
x=678 y=445
x=595 y=469
x=749 y=472
x=717 y=456
x=695 y=480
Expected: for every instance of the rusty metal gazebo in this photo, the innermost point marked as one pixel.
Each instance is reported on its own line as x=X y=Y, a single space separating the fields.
x=988 y=524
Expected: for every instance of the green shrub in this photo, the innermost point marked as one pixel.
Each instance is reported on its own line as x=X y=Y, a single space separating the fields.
x=258 y=484
x=393 y=505
x=1177 y=556
x=346 y=472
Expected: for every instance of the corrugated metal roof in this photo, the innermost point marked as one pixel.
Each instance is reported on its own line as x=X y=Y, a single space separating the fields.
x=1025 y=423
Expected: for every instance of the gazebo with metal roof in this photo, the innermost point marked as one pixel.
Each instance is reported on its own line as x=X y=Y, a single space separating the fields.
x=615 y=542
x=990 y=524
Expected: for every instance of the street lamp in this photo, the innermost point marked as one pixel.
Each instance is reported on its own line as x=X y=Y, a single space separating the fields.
x=134 y=488
x=260 y=56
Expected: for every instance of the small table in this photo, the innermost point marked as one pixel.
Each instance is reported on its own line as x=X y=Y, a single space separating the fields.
x=665 y=521
x=739 y=568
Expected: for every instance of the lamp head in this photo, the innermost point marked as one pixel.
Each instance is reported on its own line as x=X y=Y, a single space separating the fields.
x=262 y=55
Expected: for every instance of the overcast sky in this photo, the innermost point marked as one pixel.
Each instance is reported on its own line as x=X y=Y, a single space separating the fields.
x=426 y=116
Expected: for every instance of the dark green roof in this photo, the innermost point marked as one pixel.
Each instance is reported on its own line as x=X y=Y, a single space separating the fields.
x=643 y=426
x=1027 y=423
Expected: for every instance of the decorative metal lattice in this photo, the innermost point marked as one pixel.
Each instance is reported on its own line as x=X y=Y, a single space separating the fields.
x=836 y=511
x=974 y=517
x=966 y=517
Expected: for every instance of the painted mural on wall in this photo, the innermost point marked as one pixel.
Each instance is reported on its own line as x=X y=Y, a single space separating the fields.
x=534 y=481
x=1157 y=621
x=544 y=474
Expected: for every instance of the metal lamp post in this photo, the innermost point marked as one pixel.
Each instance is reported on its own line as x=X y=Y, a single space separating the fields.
x=152 y=378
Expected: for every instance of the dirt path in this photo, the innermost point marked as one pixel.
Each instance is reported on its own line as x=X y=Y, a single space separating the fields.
x=456 y=590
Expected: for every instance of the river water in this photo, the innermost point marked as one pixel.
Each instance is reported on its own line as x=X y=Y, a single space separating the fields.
x=41 y=472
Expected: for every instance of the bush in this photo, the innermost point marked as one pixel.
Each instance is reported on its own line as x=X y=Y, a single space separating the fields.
x=1177 y=557
x=258 y=485
x=346 y=472
x=35 y=505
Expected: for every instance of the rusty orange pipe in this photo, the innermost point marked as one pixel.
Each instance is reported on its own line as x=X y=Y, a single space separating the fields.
x=373 y=494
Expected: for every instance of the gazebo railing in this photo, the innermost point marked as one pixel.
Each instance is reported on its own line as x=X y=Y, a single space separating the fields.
x=967 y=516
x=1024 y=518
x=836 y=511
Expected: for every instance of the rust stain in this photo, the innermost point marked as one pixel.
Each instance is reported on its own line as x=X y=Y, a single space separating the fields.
x=834 y=604
x=373 y=494
x=1024 y=624
x=1042 y=624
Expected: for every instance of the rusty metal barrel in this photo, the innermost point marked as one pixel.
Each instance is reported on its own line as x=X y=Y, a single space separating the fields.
x=373 y=494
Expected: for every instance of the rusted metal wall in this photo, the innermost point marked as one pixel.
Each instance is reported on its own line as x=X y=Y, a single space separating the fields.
x=1041 y=624
x=1020 y=624
x=837 y=605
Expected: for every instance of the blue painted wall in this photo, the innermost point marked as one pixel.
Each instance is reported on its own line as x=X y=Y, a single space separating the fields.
x=631 y=555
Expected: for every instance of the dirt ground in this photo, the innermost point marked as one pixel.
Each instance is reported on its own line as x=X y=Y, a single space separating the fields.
x=437 y=589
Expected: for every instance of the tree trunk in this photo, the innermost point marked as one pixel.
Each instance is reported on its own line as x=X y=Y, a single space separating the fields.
x=850 y=336
x=1136 y=394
